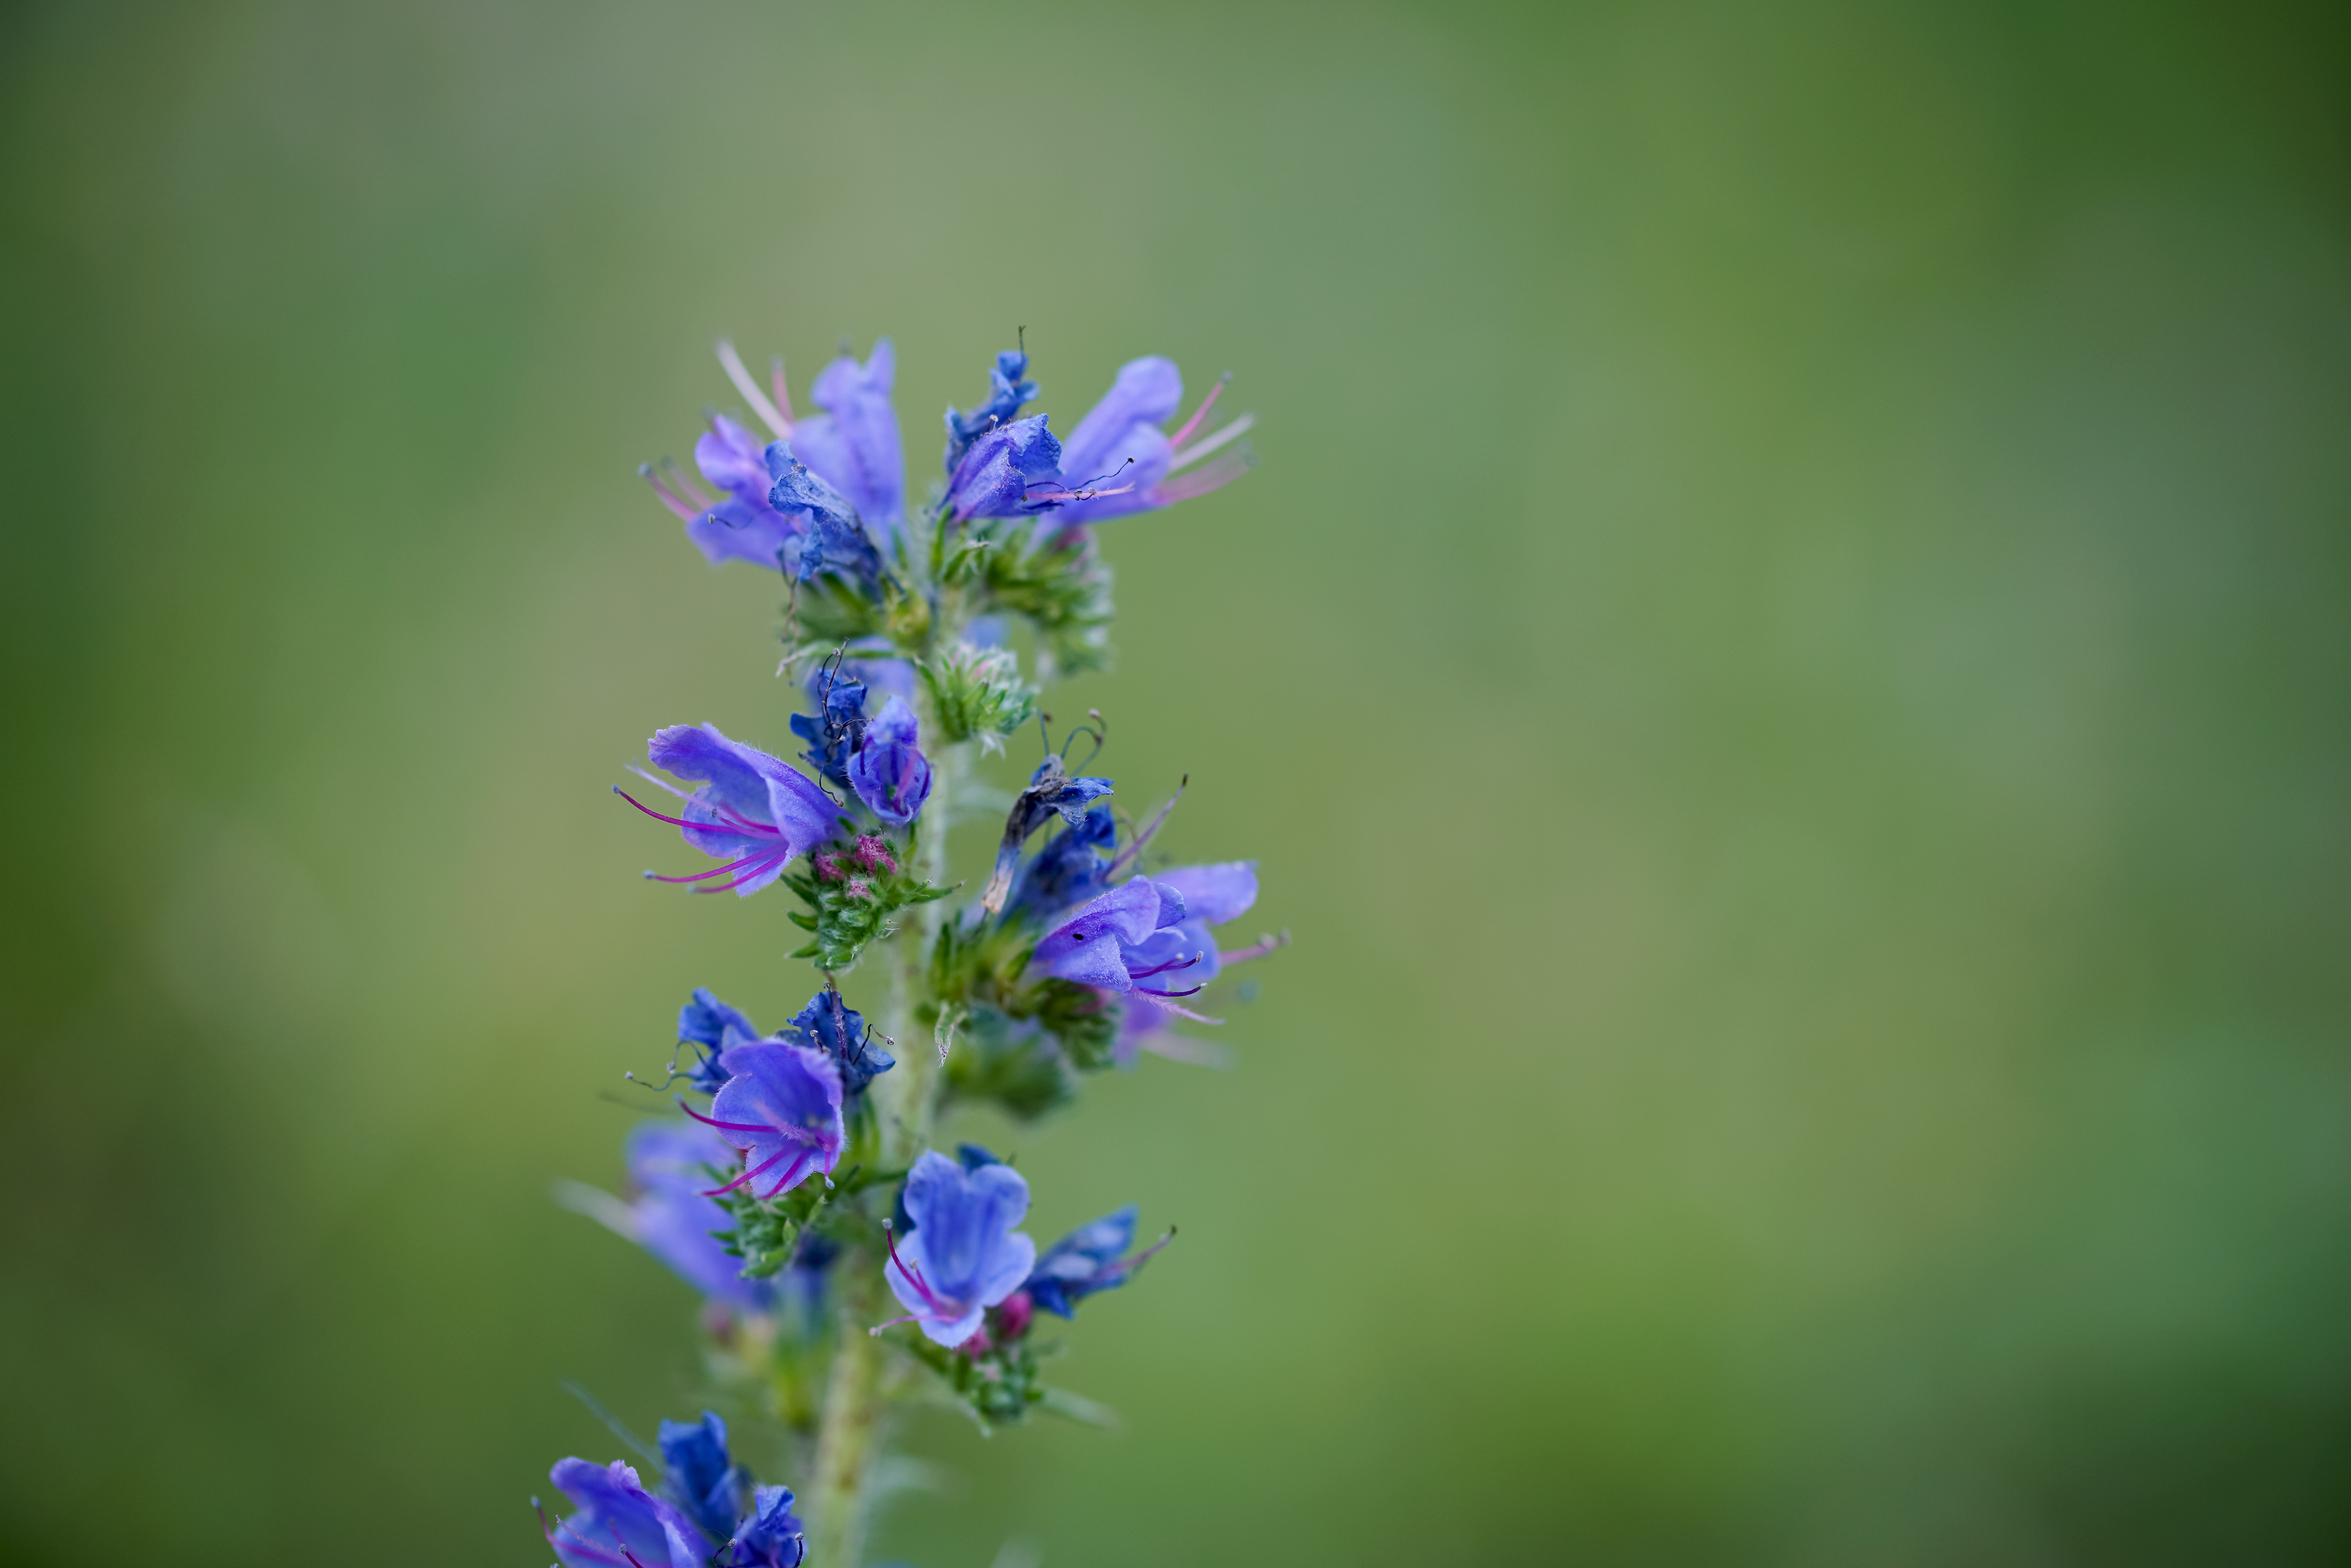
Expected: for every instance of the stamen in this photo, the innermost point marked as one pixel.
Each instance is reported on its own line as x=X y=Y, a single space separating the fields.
x=1194 y=991
x=1230 y=433
x=760 y=869
x=1201 y=413
x=1257 y=950
x=1215 y=477
x=1158 y=819
x=1162 y=969
x=1165 y=1005
x=726 y=869
x=723 y=1126
x=733 y=364
x=760 y=1171
x=669 y=497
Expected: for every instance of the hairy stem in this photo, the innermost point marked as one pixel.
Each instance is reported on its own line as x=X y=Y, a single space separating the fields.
x=906 y=1098
x=854 y=1409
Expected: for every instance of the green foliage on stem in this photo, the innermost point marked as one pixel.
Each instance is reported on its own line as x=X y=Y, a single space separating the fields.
x=1051 y=576
x=977 y=691
x=856 y=889
x=1022 y=1041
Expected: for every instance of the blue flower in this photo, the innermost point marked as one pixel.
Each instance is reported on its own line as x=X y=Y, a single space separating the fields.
x=1116 y=461
x=771 y=1536
x=889 y=770
x=743 y=527
x=854 y=445
x=753 y=811
x=781 y=1106
x=1212 y=894
x=838 y=727
x=835 y=540
x=708 y=1022
x=1006 y=391
x=1070 y=868
x=1050 y=791
x=1103 y=942
x=619 y=1523
x=1086 y=1260
x=964 y=1256
x=673 y=1218
x=839 y=1032
x=706 y=1484
x=1012 y=471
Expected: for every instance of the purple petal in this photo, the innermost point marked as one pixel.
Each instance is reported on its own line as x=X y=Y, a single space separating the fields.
x=1146 y=393
x=854 y=445
x=889 y=772
x=928 y=1310
x=1214 y=893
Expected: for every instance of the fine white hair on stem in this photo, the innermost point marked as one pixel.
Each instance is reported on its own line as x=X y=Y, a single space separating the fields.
x=740 y=374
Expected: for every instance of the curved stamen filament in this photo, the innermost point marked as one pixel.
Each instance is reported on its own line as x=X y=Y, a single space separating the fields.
x=1201 y=413
x=1162 y=968
x=760 y=1170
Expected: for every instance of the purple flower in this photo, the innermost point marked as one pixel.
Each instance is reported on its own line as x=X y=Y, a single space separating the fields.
x=673 y=1218
x=1086 y=1260
x=888 y=771
x=702 y=1479
x=1212 y=894
x=771 y=1537
x=1008 y=390
x=781 y=1106
x=836 y=540
x=854 y=445
x=1010 y=472
x=838 y=727
x=1103 y=942
x=963 y=1256
x=1117 y=461
x=713 y=1026
x=1070 y=868
x=1049 y=790
x=743 y=527
x=619 y=1523
x=753 y=811
x=838 y=1031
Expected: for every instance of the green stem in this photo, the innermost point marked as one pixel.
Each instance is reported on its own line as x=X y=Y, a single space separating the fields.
x=906 y=1098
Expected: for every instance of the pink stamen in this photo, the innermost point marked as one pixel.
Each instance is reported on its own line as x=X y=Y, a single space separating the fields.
x=914 y=1276
x=1200 y=412
x=677 y=502
x=761 y=869
x=746 y=1175
x=722 y=1126
x=728 y=869
x=1257 y=949
x=1215 y=477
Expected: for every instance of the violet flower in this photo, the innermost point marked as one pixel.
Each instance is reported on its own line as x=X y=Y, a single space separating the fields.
x=854 y=445
x=1116 y=461
x=673 y=1218
x=838 y=1031
x=964 y=1256
x=619 y=1523
x=888 y=771
x=781 y=1106
x=743 y=527
x=836 y=540
x=753 y=811
x=1008 y=390
x=704 y=1483
x=836 y=728
x=1103 y=942
x=1212 y=894
x=1011 y=471
x=713 y=1026
x=771 y=1537
x=1087 y=1261
x=1050 y=790
x=1070 y=868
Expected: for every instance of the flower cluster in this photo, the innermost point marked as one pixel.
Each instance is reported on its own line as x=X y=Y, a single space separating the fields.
x=796 y=1189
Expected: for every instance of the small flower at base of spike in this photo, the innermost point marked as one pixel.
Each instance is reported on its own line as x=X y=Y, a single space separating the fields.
x=752 y=811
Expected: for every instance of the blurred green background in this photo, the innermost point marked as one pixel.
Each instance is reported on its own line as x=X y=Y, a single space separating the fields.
x=1787 y=661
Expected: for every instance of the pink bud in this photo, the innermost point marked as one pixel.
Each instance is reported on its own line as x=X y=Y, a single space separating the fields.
x=1014 y=1314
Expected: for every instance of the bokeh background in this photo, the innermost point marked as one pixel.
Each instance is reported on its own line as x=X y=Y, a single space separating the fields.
x=1787 y=662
